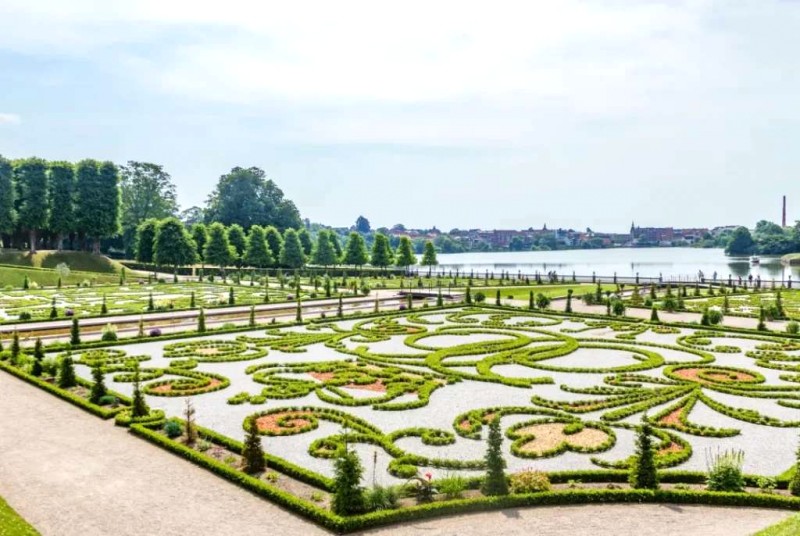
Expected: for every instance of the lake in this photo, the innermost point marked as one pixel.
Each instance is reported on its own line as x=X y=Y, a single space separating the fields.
x=670 y=263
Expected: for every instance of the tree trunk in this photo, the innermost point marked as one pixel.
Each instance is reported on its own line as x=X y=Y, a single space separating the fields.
x=96 y=246
x=60 y=241
x=32 y=238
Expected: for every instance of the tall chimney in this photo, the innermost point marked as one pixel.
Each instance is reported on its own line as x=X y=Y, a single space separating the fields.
x=784 y=211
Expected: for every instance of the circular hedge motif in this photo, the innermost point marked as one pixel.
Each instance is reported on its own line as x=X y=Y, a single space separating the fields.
x=388 y=326
x=284 y=422
x=551 y=437
x=190 y=383
x=212 y=351
x=107 y=356
x=714 y=375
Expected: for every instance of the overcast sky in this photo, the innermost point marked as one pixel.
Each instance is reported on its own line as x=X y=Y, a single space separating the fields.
x=454 y=114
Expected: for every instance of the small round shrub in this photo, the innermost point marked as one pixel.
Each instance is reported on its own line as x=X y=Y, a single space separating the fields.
x=792 y=327
x=714 y=316
x=772 y=312
x=107 y=400
x=25 y=315
x=155 y=332
x=109 y=333
x=480 y=297
x=173 y=429
x=725 y=471
x=529 y=481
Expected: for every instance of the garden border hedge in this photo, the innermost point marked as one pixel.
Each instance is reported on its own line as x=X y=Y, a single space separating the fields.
x=100 y=411
x=342 y=524
x=462 y=506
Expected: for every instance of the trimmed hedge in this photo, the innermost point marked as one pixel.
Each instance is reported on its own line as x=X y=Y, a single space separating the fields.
x=436 y=509
x=259 y=487
x=101 y=411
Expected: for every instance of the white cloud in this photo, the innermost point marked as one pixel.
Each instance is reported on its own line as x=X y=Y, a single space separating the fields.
x=10 y=119
x=446 y=72
x=369 y=51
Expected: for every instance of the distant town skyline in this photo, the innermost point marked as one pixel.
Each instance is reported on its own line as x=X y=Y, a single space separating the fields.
x=508 y=116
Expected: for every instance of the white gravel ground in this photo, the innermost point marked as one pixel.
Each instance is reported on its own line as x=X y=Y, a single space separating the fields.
x=769 y=450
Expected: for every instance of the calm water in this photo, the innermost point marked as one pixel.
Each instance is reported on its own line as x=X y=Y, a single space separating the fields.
x=671 y=263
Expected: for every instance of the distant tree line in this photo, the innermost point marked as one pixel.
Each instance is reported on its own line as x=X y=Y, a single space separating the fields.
x=43 y=203
x=91 y=204
x=767 y=238
x=170 y=243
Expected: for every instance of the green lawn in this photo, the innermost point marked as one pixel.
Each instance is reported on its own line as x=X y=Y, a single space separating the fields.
x=13 y=525
x=39 y=267
x=79 y=261
x=134 y=298
x=13 y=276
x=787 y=527
x=551 y=291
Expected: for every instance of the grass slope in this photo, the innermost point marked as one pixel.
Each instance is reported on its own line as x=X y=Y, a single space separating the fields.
x=13 y=525
x=787 y=527
x=80 y=261
x=14 y=277
x=39 y=267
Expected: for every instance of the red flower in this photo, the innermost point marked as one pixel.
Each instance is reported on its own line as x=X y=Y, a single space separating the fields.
x=428 y=476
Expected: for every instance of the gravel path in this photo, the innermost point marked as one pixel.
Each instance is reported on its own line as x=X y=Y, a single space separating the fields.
x=600 y=520
x=69 y=473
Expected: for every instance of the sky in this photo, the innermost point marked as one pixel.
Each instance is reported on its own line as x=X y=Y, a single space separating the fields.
x=458 y=114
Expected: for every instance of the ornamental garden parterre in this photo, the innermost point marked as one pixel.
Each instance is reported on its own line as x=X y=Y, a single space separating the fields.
x=410 y=396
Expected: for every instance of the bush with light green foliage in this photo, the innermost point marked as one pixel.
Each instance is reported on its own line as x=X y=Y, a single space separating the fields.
x=529 y=481
x=452 y=486
x=725 y=471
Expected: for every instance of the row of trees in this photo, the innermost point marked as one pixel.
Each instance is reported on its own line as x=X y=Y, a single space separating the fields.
x=44 y=201
x=168 y=242
x=768 y=238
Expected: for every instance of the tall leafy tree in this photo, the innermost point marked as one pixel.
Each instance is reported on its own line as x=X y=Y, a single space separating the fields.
x=741 y=242
x=305 y=240
x=31 y=178
x=85 y=204
x=146 y=191
x=237 y=240
x=218 y=250
x=192 y=215
x=404 y=256
x=355 y=251
x=62 y=200
x=292 y=254
x=362 y=225
x=200 y=237
x=145 y=240
x=337 y=246
x=258 y=253
x=275 y=241
x=381 y=252
x=97 y=200
x=247 y=197
x=173 y=245
x=429 y=256
x=324 y=254
x=8 y=213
